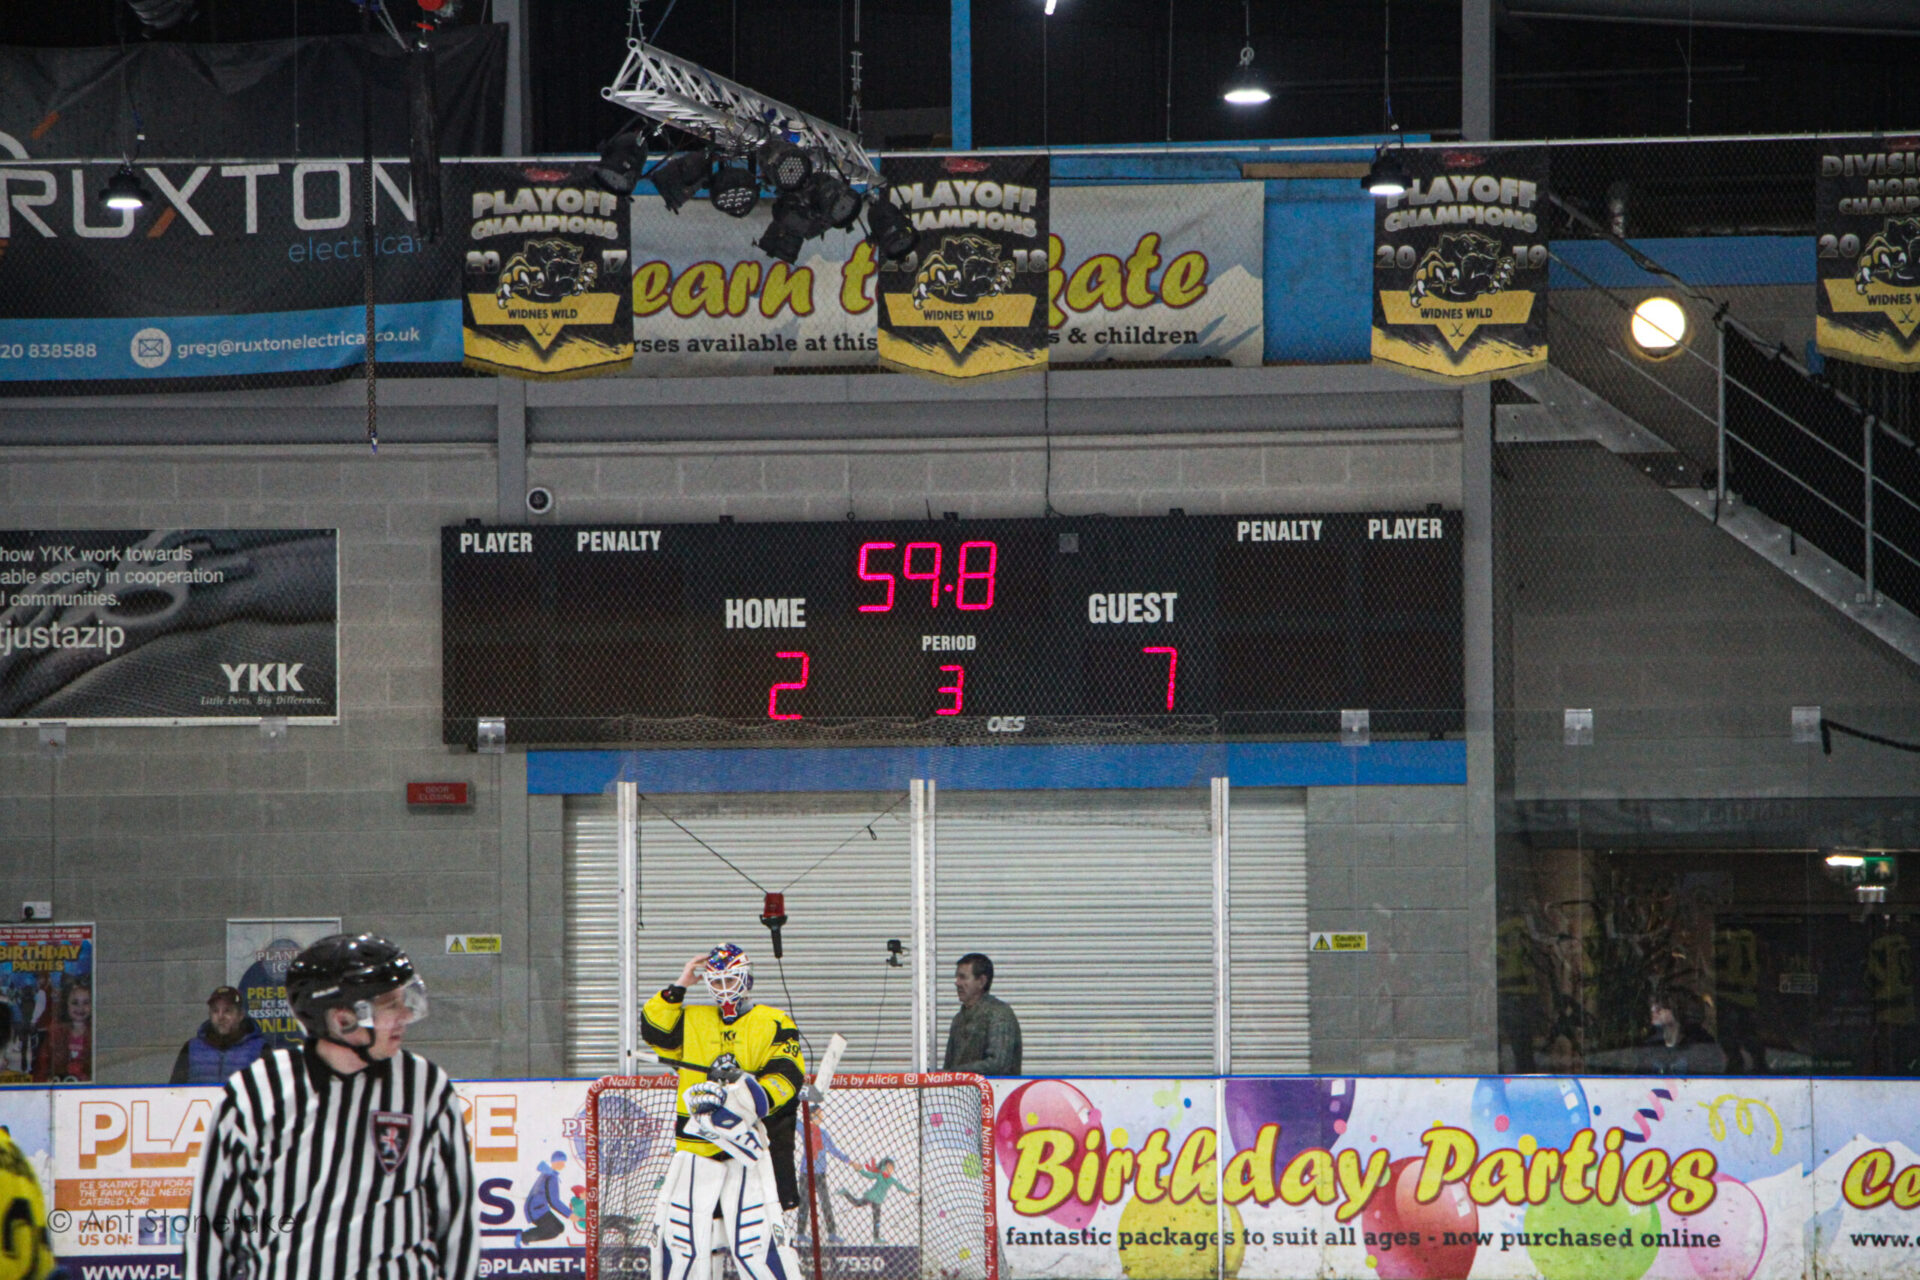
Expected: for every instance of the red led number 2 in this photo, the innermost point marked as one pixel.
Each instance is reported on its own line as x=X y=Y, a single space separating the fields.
x=773 y=694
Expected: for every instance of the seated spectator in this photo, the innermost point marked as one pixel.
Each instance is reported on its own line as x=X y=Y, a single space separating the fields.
x=228 y=1041
x=1680 y=1044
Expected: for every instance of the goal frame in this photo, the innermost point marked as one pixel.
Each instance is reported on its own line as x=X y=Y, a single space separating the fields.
x=990 y=1242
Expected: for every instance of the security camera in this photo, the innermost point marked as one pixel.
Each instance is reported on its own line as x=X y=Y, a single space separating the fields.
x=539 y=500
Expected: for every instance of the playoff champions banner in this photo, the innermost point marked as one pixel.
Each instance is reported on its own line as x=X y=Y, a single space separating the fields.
x=546 y=272
x=1867 y=278
x=231 y=270
x=972 y=301
x=1460 y=265
x=169 y=626
x=1163 y=272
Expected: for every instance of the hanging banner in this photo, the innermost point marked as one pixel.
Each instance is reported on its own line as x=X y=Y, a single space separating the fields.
x=229 y=271
x=971 y=302
x=169 y=626
x=258 y=953
x=1460 y=265
x=546 y=273
x=1867 y=231
x=1160 y=272
x=46 y=978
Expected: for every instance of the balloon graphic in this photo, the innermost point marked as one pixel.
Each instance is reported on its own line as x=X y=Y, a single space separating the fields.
x=1163 y=1219
x=1310 y=1112
x=1048 y=1104
x=1507 y=1109
x=1738 y=1218
x=1628 y=1261
x=1392 y=1208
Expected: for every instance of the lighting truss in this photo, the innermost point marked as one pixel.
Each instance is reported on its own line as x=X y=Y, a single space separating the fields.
x=730 y=117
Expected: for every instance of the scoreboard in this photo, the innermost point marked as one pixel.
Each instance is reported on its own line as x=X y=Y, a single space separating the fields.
x=1173 y=628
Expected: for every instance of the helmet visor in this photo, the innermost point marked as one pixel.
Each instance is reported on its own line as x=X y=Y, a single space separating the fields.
x=405 y=1004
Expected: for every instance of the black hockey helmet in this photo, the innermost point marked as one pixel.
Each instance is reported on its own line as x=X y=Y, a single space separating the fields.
x=346 y=971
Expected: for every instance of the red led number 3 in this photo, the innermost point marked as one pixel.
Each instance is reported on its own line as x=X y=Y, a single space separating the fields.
x=773 y=694
x=958 y=689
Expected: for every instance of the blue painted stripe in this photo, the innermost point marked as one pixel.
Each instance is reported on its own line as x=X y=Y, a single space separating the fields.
x=1704 y=261
x=1000 y=768
x=226 y=345
x=961 y=35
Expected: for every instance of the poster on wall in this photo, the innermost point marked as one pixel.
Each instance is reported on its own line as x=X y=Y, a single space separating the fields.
x=1163 y=272
x=46 y=977
x=546 y=279
x=169 y=626
x=258 y=953
x=1460 y=265
x=971 y=302
x=1867 y=259
x=228 y=271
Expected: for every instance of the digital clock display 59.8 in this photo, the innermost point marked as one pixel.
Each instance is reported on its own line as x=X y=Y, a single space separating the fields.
x=1112 y=628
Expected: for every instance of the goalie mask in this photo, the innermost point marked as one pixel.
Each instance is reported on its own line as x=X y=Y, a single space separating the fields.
x=729 y=977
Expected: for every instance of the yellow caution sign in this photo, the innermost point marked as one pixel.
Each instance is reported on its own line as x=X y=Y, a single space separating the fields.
x=1337 y=942
x=473 y=944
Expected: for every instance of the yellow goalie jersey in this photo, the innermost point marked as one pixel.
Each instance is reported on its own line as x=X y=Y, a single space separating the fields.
x=763 y=1042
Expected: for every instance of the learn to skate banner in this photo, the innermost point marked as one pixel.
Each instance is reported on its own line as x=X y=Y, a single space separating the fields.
x=971 y=301
x=1460 y=264
x=1867 y=228
x=169 y=626
x=230 y=270
x=1137 y=273
x=546 y=272
x=46 y=980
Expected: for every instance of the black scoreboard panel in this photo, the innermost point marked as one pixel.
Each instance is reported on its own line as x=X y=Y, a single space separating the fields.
x=1089 y=628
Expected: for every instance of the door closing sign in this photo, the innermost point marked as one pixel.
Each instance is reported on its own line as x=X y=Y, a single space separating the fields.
x=1336 y=942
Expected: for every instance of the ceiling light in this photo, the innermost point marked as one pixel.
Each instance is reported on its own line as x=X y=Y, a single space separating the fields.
x=124 y=190
x=835 y=201
x=1246 y=87
x=1845 y=860
x=621 y=162
x=784 y=166
x=1388 y=175
x=891 y=229
x=1659 y=325
x=734 y=190
x=677 y=179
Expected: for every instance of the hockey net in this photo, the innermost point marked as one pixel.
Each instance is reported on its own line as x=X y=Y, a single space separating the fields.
x=895 y=1175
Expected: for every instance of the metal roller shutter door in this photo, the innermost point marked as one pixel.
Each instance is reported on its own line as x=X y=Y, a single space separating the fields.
x=1268 y=913
x=1097 y=909
x=842 y=912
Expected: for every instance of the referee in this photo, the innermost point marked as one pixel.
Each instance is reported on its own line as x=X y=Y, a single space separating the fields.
x=346 y=1159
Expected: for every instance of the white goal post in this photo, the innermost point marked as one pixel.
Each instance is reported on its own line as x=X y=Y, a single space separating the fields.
x=894 y=1174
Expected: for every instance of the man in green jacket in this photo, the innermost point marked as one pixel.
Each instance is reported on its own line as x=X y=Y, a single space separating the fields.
x=985 y=1036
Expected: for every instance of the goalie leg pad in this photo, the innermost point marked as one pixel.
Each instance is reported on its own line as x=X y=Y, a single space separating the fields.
x=683 y=1216
x=751 y=1218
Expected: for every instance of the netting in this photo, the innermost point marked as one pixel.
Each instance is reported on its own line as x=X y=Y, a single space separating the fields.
x=895 y=1174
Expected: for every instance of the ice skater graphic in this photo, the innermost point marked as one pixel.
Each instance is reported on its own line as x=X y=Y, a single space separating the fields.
x=880 y=1182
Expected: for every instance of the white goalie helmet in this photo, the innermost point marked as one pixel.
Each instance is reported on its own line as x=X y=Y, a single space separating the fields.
x=729 y=974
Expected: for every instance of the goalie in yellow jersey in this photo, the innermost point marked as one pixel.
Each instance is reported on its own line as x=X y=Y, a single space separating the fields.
x=741 y=1072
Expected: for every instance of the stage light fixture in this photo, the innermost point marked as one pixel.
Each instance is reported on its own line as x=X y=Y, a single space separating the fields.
x=834 y=200
x=1388 y=175
x=680 y=176
x=621 y=162
x=795 y=220
x=779 y=244
x=734 y=190
x=890 y=229
x=124 y=190
x=785 y=166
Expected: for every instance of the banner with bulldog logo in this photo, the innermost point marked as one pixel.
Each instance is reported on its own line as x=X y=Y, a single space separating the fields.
x=1460 y=265
x=972 y=301
x=1867 y=278
x=546 y=291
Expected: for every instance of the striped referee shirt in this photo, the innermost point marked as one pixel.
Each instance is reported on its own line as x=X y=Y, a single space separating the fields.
x=312 y=1175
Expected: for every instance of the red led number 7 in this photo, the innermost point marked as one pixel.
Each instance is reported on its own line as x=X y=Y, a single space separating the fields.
x=1173 y=666
x=773 y=694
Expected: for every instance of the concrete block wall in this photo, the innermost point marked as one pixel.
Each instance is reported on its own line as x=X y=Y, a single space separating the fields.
x=160 y=835
x=1690 y=649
